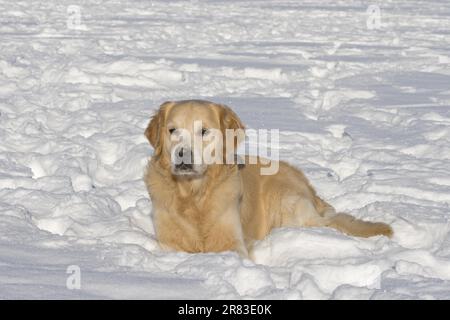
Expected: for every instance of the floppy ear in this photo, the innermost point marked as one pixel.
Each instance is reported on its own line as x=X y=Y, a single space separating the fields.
x=155 y=127
x=230 y=121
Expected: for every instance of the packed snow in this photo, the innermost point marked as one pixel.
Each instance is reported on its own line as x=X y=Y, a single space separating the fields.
x=359 y=90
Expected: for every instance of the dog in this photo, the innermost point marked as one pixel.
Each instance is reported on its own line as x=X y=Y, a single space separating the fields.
x=214 y=207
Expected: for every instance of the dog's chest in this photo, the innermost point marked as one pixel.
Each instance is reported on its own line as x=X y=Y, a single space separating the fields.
x=194 y=209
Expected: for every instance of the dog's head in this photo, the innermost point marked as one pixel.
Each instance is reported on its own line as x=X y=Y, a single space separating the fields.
x=190 y=135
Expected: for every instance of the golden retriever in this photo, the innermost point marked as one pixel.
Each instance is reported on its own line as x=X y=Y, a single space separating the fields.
x=199 y=207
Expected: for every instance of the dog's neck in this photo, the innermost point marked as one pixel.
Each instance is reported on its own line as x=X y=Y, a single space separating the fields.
x=188 y=186
x=191 y=186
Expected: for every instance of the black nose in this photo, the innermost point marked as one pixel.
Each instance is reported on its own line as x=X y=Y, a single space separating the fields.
x=184 y=159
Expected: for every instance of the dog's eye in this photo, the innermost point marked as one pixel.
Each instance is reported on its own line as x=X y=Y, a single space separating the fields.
x=204 y=131
x=172 y=130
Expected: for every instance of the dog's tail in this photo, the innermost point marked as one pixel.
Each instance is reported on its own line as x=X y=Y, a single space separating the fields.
x=359 y=228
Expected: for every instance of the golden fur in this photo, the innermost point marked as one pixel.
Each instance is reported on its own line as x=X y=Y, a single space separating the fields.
x=228 y=207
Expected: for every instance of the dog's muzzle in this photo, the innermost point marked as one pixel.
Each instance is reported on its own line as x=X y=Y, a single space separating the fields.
x=182 y=160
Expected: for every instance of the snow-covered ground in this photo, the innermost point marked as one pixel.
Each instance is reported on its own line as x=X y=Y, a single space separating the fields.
x=363 y=107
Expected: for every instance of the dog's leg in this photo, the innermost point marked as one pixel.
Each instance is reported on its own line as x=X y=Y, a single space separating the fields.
x=225 y=233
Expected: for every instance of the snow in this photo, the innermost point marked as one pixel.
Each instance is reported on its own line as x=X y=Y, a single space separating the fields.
x=363 y=108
